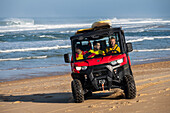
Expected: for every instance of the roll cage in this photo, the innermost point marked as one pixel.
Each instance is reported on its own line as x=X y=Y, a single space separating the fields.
x=96 y=35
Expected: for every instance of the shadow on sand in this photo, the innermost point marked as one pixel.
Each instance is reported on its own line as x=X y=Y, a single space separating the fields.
x=63 y=97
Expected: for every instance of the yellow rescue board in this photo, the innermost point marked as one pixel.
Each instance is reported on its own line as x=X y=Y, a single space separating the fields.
x=101 y=24
x=98 y=25
x=84 y=30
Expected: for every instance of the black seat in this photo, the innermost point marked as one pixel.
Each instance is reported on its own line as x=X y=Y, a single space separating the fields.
x=102 y=45
x=85 y=47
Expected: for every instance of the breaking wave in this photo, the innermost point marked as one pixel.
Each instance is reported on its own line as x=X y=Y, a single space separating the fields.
x=129 y=24
x=149 y=50
x=48 y=36
x=16 y=21
x=23 y=58
x=146 y=38
x=138 y=21
x=34 y=49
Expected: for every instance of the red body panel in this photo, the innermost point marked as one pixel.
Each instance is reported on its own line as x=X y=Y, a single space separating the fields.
x=99 y=61
x=129 y=61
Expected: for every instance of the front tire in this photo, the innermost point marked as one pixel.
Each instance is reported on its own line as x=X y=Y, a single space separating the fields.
x=77 y=91
x=129 y=87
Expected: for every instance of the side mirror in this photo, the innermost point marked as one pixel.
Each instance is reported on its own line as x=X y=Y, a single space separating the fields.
x=66 y=58
x=129 y=47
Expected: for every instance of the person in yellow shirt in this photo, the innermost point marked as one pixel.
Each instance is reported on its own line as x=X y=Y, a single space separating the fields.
x=79 y=53
x=96 y=50
x=113 y=47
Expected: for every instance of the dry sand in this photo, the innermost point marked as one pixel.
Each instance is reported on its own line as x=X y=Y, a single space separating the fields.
x=53 y=94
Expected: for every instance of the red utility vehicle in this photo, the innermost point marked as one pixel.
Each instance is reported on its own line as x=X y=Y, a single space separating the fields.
x=100 y=72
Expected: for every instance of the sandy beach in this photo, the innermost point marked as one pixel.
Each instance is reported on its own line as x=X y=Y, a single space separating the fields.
x=53 y=94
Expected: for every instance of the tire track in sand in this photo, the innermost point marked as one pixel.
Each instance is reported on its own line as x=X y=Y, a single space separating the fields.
x=140 y=87
x=148 y=79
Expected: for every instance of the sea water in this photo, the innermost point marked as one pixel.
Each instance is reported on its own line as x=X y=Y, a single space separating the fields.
x=33 y=47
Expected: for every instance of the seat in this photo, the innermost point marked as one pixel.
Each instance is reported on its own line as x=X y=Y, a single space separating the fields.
x=102 y=45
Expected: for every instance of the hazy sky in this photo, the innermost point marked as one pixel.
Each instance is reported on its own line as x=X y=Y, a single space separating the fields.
x=79 y=8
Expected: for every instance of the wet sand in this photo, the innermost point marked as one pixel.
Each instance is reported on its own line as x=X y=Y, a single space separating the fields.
x=53 y=94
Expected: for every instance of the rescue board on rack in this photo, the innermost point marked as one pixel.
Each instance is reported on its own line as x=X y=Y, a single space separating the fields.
x=96 y=26
x=101 y=24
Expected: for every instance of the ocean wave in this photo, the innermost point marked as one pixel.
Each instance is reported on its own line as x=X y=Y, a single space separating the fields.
x=4 y=29
x=151 y=59
x=146 y=38
x=149 y=50
x=141 y=24
x=47 y=36
x=23 y=58
x=56 y=65
x=139 y=28
x=138 y=21
x=72 y=31
x=17 y=21
x=147 y=59
x=34 y=49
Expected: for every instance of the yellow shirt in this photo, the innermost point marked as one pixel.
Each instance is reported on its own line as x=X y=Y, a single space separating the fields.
x=79 y=56
x=116 y=49
x=97 y=52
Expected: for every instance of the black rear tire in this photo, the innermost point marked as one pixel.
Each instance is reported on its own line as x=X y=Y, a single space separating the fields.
x=77 y=91
x=129 y=87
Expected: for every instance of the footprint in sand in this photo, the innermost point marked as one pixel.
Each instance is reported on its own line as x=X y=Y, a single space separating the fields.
x=141 y=101
x=113 y=107
x=144 y=94
x=93 y=106
x=124 y=103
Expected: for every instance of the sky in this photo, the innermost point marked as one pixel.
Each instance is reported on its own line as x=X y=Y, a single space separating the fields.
x=84 y=8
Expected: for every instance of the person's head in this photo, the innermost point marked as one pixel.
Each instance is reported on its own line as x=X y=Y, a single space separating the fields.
x=96 y=45
x=78 y=50
x=112 y=41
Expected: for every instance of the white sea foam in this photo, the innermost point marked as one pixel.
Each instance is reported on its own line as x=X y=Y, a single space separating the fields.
x=34 y=49
x=15 y=28
x=147 y=59
x=47 y=36
x=149 y=50
x=139 y=39
x=23 y=58
x=139 y=24
x=138 y=21
x=139 y=28
x=18 y=21
x=1 y=35
x=73 y=31
x=28 y=24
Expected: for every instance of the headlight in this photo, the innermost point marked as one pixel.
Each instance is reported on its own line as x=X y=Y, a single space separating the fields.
x=113 y=62
x=120 y=61
x=78 y=68
x=84 y=67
